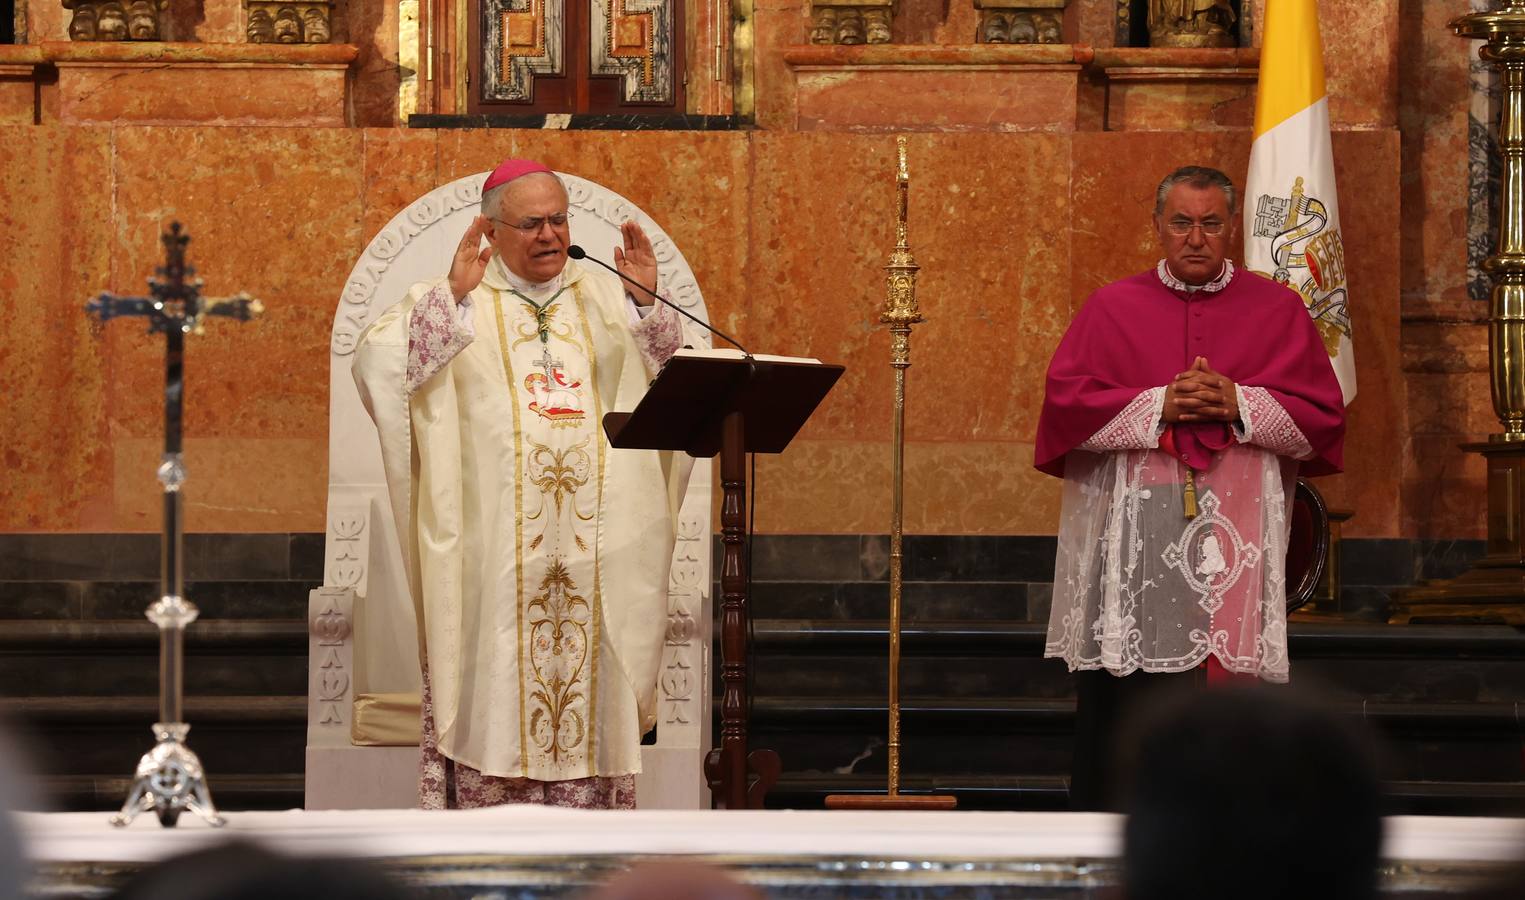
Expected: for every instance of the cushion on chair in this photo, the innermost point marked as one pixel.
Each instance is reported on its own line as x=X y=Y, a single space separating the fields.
x=387 y=720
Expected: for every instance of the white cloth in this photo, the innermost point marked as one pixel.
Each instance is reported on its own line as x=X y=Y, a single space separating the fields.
x=537 y=554
x=1137 y=586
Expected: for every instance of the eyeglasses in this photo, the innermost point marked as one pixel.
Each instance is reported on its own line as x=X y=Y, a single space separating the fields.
x=531 y=227
x=1183 y=227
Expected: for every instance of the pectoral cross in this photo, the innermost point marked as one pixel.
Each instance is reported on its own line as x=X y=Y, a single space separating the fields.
x=549 y=365
x=169 y=778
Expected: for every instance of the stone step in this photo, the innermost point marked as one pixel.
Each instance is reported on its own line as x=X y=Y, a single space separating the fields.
x=116 y=658
x=920 y=600
x=1020 y=736
x=69 y=736
x=263 y=599
x=1000 y=637
x=1399 y=663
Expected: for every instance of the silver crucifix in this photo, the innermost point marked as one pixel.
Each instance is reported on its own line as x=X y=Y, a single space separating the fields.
x=169 y=778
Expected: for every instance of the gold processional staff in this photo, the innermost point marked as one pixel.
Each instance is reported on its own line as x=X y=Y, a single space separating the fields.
x=900 y=313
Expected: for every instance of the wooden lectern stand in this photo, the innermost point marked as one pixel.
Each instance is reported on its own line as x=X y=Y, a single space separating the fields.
x=709 y=402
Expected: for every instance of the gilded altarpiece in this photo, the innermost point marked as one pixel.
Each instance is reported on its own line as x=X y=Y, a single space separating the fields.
x=577 y=56
x=1143 y=23
x=554 y=57
x=523 y=40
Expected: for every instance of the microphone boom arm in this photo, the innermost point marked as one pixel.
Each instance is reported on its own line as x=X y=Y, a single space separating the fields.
x=577 y=252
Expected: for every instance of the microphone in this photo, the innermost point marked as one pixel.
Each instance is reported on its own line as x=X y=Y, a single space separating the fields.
x=577 y=252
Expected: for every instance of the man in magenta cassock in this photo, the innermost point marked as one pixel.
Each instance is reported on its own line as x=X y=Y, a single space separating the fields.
x=1179 y=409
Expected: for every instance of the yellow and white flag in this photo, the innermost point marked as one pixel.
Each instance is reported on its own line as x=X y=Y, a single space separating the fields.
x=1291 y=216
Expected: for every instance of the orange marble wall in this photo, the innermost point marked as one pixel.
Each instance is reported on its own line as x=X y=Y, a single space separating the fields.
x=1444 y=358
x=787 y=230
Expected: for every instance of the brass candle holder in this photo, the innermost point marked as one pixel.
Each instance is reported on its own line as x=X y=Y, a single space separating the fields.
x=900 y=313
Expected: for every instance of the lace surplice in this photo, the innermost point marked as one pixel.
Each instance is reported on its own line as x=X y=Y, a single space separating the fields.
x=1139 y=586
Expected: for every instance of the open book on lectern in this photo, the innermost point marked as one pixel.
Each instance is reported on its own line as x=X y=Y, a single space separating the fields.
x=733 y=353
x=697 y=389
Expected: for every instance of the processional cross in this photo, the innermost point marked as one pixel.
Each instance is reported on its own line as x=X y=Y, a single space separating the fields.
x=169 y=778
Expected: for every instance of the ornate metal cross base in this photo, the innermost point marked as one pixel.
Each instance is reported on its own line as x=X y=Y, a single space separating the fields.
x=1495 y=587
x=169 y=779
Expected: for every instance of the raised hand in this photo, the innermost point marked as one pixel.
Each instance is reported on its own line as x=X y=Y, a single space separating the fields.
x=1201 y=395
x=470 y=260
x=637 y=260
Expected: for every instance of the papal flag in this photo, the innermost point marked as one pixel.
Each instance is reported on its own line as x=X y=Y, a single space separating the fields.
x=1291 y=216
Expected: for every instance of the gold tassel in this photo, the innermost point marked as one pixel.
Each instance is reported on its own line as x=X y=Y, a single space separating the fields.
x=1190 y=494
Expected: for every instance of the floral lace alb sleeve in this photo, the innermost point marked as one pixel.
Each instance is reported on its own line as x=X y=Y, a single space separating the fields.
x=438 y=330
x=658 y=336
x=1267 y=424
x=1137 y=427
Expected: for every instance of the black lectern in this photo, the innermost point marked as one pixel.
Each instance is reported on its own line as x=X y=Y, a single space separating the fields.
x=719 y=401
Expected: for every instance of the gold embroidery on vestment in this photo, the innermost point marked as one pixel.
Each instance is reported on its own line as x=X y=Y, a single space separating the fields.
x=559 y=626
x=508 y=376
x=598 y=579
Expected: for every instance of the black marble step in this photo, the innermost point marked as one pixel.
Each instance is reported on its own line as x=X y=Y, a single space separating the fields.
x=920 y=600
x=230 y=792
x=261 y=599
x=135 y=557
x=83 y=735
x=117 y=658
x=1008 y=715
x=46 y=711
x=998 y=637
x=1351 y=661
x=1033 y=736
x=129 y=635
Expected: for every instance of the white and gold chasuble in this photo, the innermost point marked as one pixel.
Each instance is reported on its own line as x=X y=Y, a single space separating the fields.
x=539 y=554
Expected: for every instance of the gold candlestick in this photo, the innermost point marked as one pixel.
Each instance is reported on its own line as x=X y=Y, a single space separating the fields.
x=900 y=313
x=1493 y=589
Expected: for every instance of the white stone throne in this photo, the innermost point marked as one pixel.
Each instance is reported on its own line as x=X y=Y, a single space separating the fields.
x=363 y=670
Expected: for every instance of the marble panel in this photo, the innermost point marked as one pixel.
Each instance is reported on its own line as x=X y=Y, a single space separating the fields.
x=210 y=21
x=18 y=94
x=1361 y=54
x=776 y=25
x=55 y=460
x=285 y=229
x=1366 y=172
x=373 y=28
x=889 y=98
x=400 y=167
x=1446 y=490
x=959 y=24
x=240 y=484
x=1095 y=22
x=1434 y=95
x=151 y=93
x=46 y=20
x=1449 y=404
x=950 y=488
x=1140 y=99
x=991 y=244
x=1445 y=347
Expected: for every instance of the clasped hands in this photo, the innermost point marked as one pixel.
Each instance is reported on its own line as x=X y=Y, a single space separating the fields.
x=1200 y=395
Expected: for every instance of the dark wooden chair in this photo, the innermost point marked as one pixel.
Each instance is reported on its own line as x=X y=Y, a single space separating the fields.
x=1307 y=546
